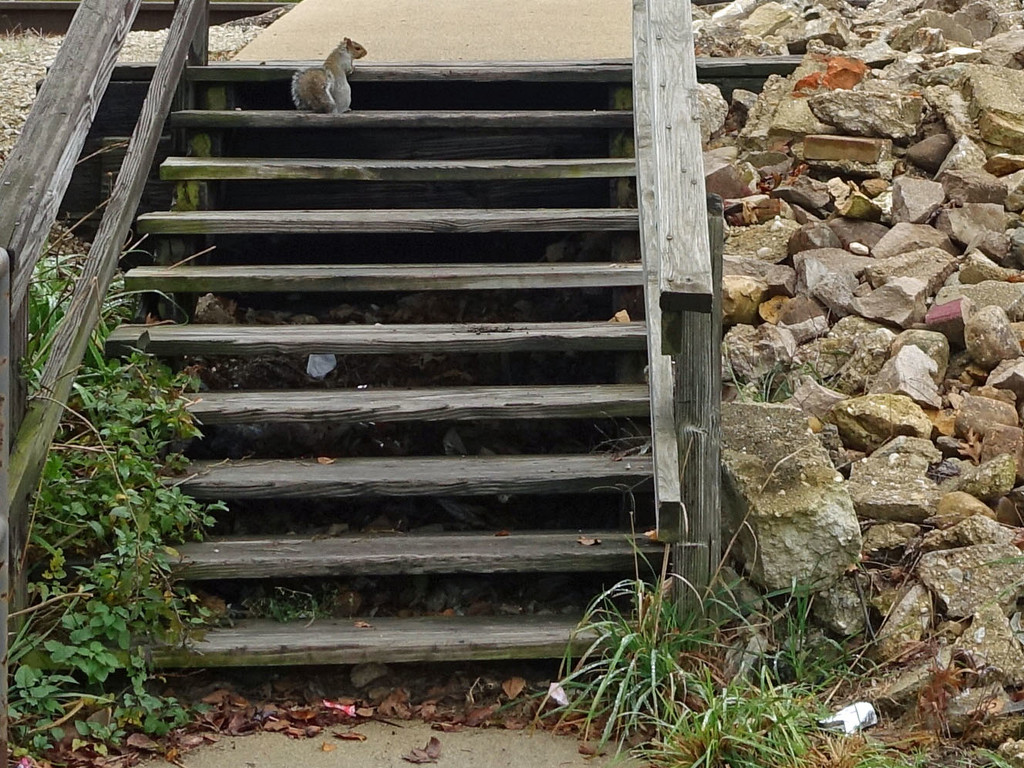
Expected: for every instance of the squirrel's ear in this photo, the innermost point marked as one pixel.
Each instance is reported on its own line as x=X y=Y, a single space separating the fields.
x=346 y=41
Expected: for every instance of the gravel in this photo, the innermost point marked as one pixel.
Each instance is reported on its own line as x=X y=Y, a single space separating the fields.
x=24 y=58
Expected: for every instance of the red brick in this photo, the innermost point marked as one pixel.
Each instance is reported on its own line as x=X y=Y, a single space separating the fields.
x=855 y=148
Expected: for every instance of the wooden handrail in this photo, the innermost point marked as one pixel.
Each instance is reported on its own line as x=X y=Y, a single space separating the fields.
x=43 y=414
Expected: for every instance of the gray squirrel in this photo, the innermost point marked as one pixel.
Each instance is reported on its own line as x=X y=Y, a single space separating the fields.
x=325 y=88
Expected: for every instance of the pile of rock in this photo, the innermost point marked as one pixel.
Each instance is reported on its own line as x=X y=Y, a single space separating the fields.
x=874 y=285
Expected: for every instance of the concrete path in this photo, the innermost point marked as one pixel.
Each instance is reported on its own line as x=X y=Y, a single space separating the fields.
x=385 y=745
x=451 y=30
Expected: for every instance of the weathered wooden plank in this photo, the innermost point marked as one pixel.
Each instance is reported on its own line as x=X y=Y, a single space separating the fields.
x=441 y=638
x=708 y=69
x=390 y=554
x=254 y=168
x=664 y=447
x=241 y=340
x=39 y=168
x=698 y=397
x=414 y=476
x=395 y=220
x=481 y=72
x=668 y=148
x=418 y=119
x=444 y=404
x=72 y=337
x=331 y=278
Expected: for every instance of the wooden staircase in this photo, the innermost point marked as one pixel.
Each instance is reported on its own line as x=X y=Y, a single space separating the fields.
x=448 y=184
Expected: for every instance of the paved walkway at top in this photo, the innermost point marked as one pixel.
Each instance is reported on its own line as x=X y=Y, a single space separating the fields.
x=451 y=30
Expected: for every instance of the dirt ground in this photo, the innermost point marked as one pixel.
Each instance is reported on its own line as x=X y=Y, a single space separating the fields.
x=385 y=746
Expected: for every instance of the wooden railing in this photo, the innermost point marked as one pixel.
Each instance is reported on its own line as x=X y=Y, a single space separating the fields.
x=681 y=291
x=32 y=184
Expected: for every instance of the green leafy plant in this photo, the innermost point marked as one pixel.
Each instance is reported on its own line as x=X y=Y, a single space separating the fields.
x=101 y=533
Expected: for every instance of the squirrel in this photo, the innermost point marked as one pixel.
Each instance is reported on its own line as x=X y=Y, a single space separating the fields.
x=326 y=88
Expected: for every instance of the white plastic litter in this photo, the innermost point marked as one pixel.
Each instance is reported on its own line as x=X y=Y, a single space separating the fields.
x=319 y=366
x=851 y=719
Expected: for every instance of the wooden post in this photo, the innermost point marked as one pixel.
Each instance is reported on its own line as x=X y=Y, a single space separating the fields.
x=698 y=388
x=5 y=544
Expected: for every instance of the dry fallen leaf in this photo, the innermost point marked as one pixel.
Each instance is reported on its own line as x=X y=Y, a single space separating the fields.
x=586 y=541
x=622 y=316
x=325 y=460
x=513 y=686
x=503 y=533
x=350 y=736
x=362 y=625
x=428 y=754
x=142 y=741
x=325 y=747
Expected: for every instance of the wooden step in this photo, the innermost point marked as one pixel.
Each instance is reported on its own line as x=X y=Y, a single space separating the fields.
x=393 y=118
x=385 y=640
x=394 y=405
x=250 y=340
x=610 y=70
x=392 y=554
x=414 y=476
x=342 y=278
x=255 y=168
x=451 y=220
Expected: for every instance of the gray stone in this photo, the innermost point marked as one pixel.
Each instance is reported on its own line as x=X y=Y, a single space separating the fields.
x=780 y=279
x=976 y=414
x=911 y=237
x=956 y=507
x=812 y=236
x=915 y=200
x=840 y=609
x=979 y=18
x=971 y=707
x=991 y=644
x=909 y=372
x=726 y=178
x=865 y=356
x=893 y=487
x=867 y=422
x=851 y=231
x=364 y=674
x=977 y=268
x=830 y=275
x=767 y=19
x=977 y=225
x=830 y=28
x=806 y=192
x=997 y=99
x=933 y=344
x=989 y=337
x=787 y=506
x=859 y=206
x=752 y=353
x=965 y=155
x=929 y=153
x=1015 y=201
x=804 y=318
x=905 y=624
x=987 y=481
x=973 y=187
x=888 y=535
x=713 y=109
x=932 y=266
x=977 y=529
x=904 y=445
x=1009 y=296
x=905 y=38
x=967 y=578
x=741 y=103
x=1009 y=375
x=882 y=111
x=1016 y=254
x=1004 y=50
x=900 y=301
x=813 y=398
